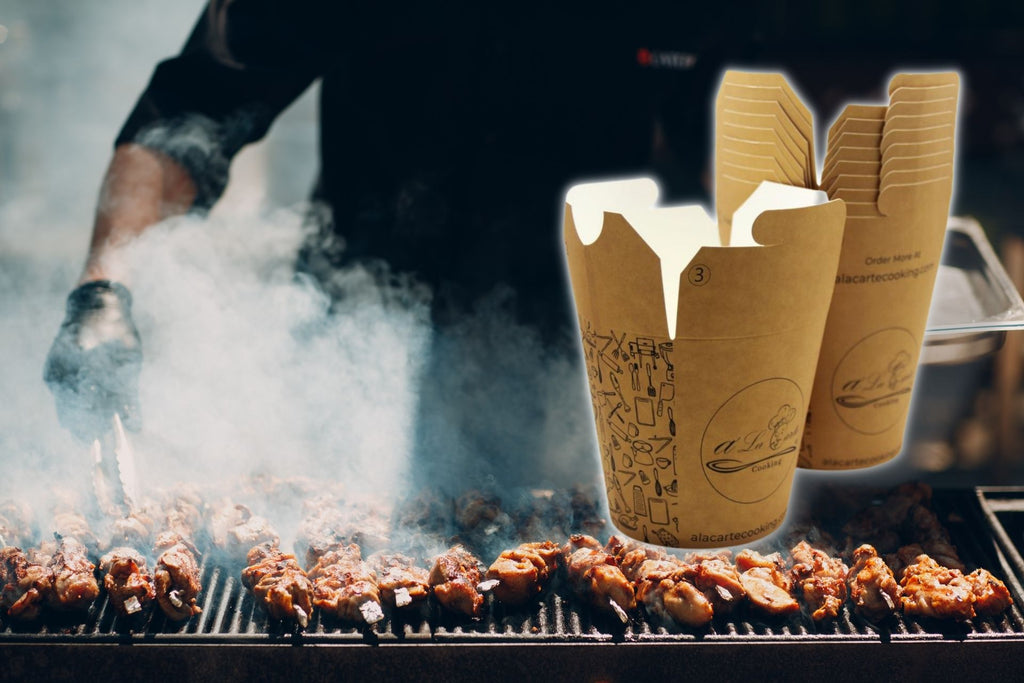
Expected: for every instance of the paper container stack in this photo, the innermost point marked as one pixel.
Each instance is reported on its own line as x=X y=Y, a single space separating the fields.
x=893 y=167
x=700 y=357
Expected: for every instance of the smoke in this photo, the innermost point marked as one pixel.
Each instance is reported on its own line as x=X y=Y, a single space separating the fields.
x=248 y=367
x=248 y=371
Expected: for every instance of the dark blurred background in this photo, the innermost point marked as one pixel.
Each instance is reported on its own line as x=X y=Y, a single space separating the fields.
x=70 y=72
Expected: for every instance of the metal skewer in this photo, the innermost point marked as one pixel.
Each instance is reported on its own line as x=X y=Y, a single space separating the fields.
x=621 y=613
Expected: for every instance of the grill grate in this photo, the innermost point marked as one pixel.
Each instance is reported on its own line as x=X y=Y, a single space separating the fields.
x=231 y=616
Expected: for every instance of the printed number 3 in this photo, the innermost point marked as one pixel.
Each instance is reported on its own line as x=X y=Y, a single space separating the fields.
x=698 y=275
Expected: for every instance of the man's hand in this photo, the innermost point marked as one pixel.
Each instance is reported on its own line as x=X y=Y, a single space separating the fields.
x=93 y=365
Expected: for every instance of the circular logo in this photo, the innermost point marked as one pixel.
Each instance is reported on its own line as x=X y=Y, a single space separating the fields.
x=872 y=384
x=751 y=443
x=698 y=275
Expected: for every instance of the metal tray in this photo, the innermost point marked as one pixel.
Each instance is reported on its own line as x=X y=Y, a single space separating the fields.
x=974 y=301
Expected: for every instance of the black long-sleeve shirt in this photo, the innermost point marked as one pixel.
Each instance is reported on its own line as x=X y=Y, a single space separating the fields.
x=450 y=133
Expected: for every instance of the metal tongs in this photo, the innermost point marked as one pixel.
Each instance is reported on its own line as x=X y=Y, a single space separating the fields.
x=114 y=474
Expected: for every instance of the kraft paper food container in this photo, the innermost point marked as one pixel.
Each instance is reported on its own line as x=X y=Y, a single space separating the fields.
x=883 y=290
x=700 y=357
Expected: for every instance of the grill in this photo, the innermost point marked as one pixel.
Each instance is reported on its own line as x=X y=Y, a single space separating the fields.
x=556 y=639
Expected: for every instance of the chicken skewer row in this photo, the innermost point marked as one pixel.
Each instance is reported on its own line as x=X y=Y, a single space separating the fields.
x=454 y=578
x=402 y=583
x=522 y=573
x=346 y=586
x=25 y=585
x=595 y=576
x=277 y=581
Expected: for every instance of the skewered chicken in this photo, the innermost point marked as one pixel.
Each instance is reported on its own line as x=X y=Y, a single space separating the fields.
x=766 y=581
x=134 y=530
x=595 y=576
x=522 y=573
x=276 y=580
x=454 y=578
x=873 y=588
x=346 y=586
x=319 y=530
x=233 y=529
x=931 y=590
x=74 y=584
x=991 y=597
x=71 y=524
x=663 y=582
x=127 y=581
x=820 y=579
x=402 y=583
x=25 y=585
x=177 y=579
x=717 y=578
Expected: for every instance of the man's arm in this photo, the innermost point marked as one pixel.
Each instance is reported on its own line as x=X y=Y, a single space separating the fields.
x=141 y=188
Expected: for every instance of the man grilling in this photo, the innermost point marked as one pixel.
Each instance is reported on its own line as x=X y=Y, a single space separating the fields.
x=448 y=136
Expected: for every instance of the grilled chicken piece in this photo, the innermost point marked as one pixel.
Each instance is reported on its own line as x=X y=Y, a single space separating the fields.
x=276 y=580
x=184 y=517
x=74 y=584
x=991 y=596
x=16 y=524
x=70 y=524
x=319 y=530
x=346 y=586
x=135 y=530
x=931 y=590
x=523 y=572
x=820 y=579
x=233 y=529
x=402 y=583
x=903 y=558
x=766 y=582
x=454 y=578
x=663 y=582
x=666 y=590
x=873 y=588
x=177 y=577
x=25 y=585
x=127 y=581
x=715 y=575
x=42 y=553
x=596 y=577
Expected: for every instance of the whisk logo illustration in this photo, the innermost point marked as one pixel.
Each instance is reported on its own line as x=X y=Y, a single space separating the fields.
x=872 y=384
x=750 y=445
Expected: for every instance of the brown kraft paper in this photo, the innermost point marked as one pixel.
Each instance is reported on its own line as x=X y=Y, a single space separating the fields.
x=699 y=432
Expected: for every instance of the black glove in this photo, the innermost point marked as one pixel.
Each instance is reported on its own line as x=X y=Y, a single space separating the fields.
x=93 y=365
